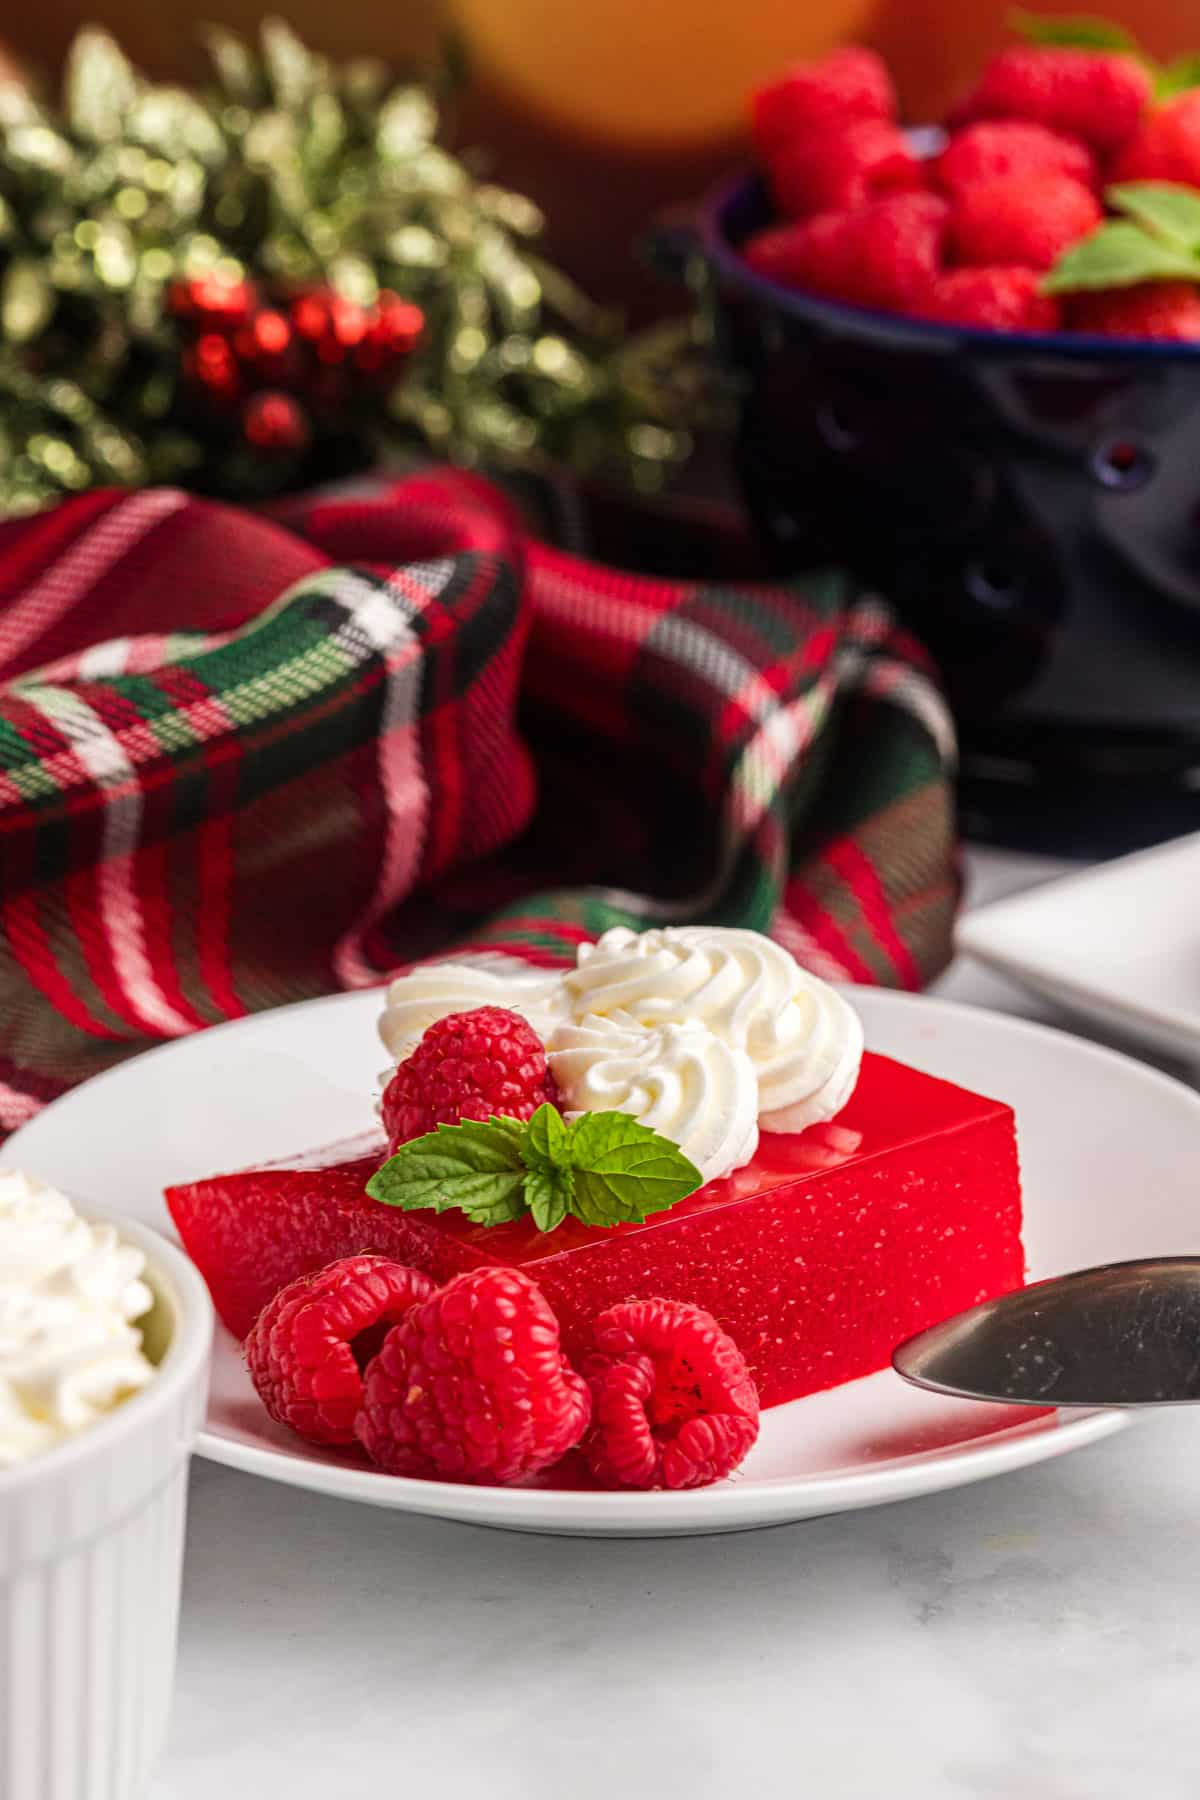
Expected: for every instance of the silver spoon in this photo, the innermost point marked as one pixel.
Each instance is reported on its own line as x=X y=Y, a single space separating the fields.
x=1126 y=1334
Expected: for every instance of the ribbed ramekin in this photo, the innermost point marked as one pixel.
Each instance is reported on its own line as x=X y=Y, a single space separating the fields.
x=91 y=1557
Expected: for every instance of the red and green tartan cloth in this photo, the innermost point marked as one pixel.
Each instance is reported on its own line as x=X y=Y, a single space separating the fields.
x=249 y=759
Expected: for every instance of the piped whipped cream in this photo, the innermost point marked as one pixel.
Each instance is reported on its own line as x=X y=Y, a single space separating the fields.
x=804 y=1040
x=70 y=1295
x=419 y=999
x=707 y=1033
x=679 y=1079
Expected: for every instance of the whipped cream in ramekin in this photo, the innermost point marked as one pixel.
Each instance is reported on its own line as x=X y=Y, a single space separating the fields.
x=804 y=1040
x=419 y=999
x=70 y=1293
x=679 y=1079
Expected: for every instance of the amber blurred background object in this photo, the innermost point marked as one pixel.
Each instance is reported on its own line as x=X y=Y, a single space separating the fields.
x=608 y=111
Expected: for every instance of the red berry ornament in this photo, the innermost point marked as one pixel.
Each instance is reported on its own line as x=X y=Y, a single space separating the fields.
x=210 y=362
x=310 y=315
x=266 y=344
x=394 y=329
x=211 y=302
x=274 y=421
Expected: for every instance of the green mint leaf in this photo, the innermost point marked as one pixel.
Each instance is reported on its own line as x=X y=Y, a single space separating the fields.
x=514 y=1127
x=1118 y=255
x=1081 y=31
x=548 y=1195
x=1178 y=76
x=605 y=1168
x=624 y=1170
x=1163 y=208
x=546 y=1140
x=476 y=1166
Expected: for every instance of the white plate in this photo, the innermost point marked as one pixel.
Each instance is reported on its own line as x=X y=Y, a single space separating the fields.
x=1109 y=1150
x=1119 y=943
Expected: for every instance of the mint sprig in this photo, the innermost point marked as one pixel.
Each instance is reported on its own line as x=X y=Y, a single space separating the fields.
x=604 y=1168
x=1169 y=212
x=1157 y=240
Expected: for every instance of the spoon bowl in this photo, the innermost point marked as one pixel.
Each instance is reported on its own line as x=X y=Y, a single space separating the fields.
x=1126 y=1334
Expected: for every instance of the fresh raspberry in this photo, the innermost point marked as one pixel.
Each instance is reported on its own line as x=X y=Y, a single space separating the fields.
x=898 y=248
x=482 y=1064
x=1168 y=310
x=673 y=1403
x=998 y=147
x=834 y=170
x=307 y=1348
x=884 y=255
x=817 y=96
x=815 y=254
x=1002 y=299
x=1014 y=220
x=1096 y=95
x=1166 y=147
x=473 y=1385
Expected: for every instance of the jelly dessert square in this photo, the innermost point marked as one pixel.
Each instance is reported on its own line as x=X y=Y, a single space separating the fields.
x=819 y=1256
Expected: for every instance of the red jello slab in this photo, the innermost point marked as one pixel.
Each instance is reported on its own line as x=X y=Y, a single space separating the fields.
x=818 y=1257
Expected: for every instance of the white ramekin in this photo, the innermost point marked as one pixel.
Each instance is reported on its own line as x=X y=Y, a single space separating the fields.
x=91 y=1556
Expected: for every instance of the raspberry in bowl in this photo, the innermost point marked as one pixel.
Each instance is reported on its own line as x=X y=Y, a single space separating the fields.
x=1009 y=460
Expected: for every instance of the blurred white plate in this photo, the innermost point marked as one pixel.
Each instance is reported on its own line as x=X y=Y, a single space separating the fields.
x=1118 y=943
x=1109 y=1152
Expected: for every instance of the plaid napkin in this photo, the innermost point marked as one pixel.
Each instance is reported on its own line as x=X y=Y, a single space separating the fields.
x=248 y=759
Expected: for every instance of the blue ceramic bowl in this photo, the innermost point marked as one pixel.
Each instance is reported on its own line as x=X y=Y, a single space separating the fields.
x=1032 y=504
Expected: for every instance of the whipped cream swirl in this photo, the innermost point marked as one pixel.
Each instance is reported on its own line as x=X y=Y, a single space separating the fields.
x=419 y=999
x=706 y=1033
x=679 y=1079
x=802 y=1038
x=70 y=1293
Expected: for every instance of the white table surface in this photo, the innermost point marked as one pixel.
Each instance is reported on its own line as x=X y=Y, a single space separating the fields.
x=1036 y=1637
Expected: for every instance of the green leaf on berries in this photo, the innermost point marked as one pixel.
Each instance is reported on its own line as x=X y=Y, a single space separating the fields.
x=1178 y=76
x=475 y=1166
x=604 y=1168
x=1080 y=31
x=1118 y=255
x=546 y=1140
x=548 y=1197
x=624 y=1171
x=1164 y=208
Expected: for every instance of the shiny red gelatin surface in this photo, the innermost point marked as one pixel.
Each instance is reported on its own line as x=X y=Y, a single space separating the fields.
x=818 y=1257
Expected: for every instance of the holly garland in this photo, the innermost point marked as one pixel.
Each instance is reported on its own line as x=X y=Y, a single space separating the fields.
x=283 y=277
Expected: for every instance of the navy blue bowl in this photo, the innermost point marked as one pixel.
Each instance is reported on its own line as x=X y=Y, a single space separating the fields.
x=1032 y=505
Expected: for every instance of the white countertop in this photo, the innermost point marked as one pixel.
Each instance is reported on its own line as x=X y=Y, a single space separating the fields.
x=1036 y=1637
